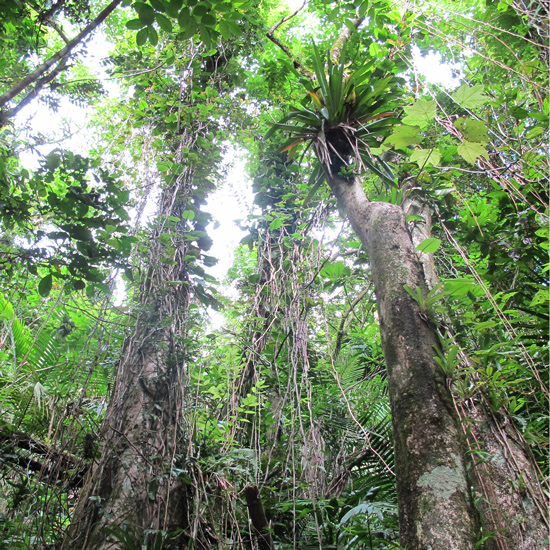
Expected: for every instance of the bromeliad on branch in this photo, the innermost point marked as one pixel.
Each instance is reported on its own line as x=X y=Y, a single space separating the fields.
x=343 y=117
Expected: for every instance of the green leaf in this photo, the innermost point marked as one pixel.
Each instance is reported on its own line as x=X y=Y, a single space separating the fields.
x=333 y=270
x=403 y=136
x=534 y=132
x=426 y=157
x=80 y=233
x=485 y=325
x=374 y=49
x=184 y=17
x=153 y=36
x=470 y=152
x=420 y=113
x=349 y=25
x=541 y=297
x=158 y=5
x=205 y=37
x=224 y=29
x=208 y=20
x=429 y=246
x=315 y=181
x=164 y=23
x=472 y=130
x=470 y=96
x=45 y=286
x=146 y=13
x=79 y=284
x=141 y=36
x=234 y=28
x=135 y=24
x=200 y=10
x=275 y=224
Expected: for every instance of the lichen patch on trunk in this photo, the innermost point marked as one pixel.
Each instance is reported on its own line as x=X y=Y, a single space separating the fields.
x=443 y=481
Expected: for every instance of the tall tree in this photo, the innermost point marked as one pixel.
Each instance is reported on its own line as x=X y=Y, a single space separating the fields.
x=289 y=405
x=339 y=127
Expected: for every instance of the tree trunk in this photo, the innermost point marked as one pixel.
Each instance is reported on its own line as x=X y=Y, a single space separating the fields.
x=133 y=486
x=507 y=490
x=435 y=505
x=511 y=500
x=421 y=230
x=258 y=518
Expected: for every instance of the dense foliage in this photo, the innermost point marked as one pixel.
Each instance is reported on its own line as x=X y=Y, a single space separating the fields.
x=289 y=391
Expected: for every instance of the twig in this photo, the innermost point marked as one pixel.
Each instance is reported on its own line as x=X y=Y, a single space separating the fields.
x=343 y=322
x=297 y=65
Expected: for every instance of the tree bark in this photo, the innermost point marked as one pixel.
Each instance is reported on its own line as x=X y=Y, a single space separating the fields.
x=506 y=486
x=133 y=486
x=421 y=230
x=258 y=518
x=511 y=501
x=435 y=505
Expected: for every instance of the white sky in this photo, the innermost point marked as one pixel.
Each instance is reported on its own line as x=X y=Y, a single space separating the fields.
x=231 y=201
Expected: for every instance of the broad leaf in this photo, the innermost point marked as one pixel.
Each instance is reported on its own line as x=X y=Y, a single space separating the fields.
x=153 y=35
x=141 y=36
x=470 y=152
x=470 y=96
x=429 y=246
x=275 y=224
x=426 y=157
x=472 y=130
x=164 y=23
x=45 y=286
x=420 y=113
x=404 y=136
x=135 y=24
x=146 y=13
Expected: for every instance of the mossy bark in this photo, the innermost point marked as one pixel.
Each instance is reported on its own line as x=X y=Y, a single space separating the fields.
x=435 y=505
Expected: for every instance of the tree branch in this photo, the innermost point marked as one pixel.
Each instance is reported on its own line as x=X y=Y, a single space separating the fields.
x=6 y=115
x=345 y=35
x=286 y=18
x=58 y=56
x=297 y=65
x=58 y=30
x=23 y=441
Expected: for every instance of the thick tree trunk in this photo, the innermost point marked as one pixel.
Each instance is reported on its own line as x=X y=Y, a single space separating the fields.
x=511 y=501
x=435 y=505
x=133 y=486
x=507 y=490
